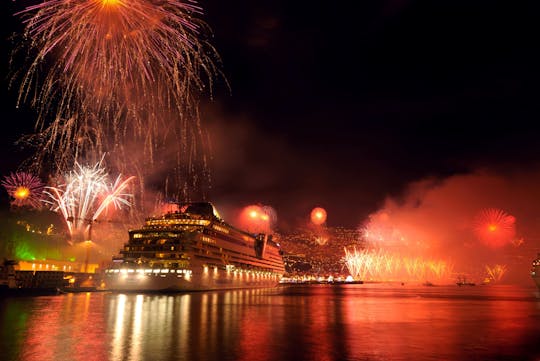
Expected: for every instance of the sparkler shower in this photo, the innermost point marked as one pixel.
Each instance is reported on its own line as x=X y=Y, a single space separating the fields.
x=380 y=265
x=122 y=79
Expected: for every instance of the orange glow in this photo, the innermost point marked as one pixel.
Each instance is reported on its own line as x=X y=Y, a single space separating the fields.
x=492 y=227
x=318 y=216
x=256 y=218
x=21 y=192
x=110 y=2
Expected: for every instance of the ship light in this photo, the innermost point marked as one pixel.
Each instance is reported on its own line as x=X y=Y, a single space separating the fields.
x=123 y=271
x=165 y=270
x=131 y=270
x=147 y=271
x=155 y=271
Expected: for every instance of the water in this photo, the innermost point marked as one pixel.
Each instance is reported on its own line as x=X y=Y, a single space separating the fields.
x=316 y=322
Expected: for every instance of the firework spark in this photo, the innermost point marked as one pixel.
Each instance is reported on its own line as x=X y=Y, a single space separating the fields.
x=122 y=75
x=86 y=194
x=494 y=227
x=24 y=188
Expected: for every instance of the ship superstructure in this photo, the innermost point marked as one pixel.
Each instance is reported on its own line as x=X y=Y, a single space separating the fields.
x=194 y=249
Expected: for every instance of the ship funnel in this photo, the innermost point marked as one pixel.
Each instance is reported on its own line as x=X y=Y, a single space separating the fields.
x=260 y=244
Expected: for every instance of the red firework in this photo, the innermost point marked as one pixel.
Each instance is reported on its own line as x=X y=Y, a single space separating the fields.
x=25 y=189
x=257 y=219
x=494 y=227
x=318 y=216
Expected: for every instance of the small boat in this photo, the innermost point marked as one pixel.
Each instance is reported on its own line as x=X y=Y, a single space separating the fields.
x=462 y=281
x=28 y=283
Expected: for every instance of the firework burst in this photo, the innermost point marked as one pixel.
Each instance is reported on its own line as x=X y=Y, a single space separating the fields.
x=25 y=189
x=257 y=219
x=494 y=227
x=122 y=75
x=86 y=195
x=318 y=216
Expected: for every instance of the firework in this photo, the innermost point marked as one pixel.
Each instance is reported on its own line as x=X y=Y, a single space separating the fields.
x=258 y=218
x=496 y=272
x=123 y=75
x=379 y=265
x=318 y=216
x=494 y=227
x=87 y=194
x=25 y=189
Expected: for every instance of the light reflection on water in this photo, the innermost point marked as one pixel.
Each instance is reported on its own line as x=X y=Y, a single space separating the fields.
x=318 y=322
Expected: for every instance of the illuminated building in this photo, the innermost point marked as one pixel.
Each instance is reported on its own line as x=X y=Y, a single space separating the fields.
x=304 y=253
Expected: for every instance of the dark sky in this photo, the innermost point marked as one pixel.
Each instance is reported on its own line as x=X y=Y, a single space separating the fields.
x=340 y=104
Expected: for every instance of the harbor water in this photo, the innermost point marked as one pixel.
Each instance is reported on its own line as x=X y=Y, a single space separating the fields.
x=300 y=322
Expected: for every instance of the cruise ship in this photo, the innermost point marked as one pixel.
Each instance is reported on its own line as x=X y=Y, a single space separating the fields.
x=193 y=249
x=535 y=272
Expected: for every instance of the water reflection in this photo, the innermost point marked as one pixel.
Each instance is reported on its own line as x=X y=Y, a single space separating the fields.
x=297 y=323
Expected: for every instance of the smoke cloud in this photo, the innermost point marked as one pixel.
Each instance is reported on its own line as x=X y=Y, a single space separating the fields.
x=436 y=219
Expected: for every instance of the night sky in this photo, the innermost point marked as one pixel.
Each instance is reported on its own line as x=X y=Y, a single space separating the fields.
x=342 y=104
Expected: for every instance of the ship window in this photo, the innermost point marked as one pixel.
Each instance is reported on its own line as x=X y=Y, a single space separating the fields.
x=162 y=241
x=160 y=255
x=207 y=239
x=172 y=248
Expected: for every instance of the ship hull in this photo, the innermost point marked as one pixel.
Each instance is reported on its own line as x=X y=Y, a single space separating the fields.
x=174 y=282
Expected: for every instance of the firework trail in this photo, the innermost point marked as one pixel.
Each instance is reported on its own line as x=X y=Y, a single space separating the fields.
x=25 y=189
x=123 y=76
x=86 y=194
x=494 y=227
